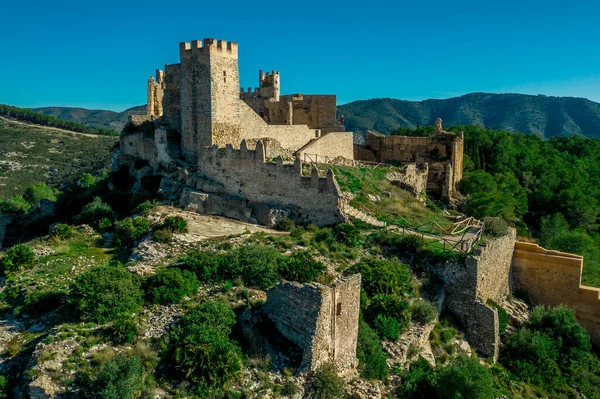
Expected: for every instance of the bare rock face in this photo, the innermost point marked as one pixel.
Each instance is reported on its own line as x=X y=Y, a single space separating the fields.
x=412 y=344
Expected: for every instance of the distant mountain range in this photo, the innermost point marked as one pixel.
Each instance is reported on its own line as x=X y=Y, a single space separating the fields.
x=93 y=118
x=541 y=115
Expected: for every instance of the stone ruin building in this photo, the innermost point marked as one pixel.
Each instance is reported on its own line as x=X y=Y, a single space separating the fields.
x=441 y=154
x=322 y=321
x=220 y=149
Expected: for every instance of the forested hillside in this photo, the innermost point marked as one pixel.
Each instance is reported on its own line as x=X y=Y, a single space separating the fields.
x=96 y=118
x=541 y=115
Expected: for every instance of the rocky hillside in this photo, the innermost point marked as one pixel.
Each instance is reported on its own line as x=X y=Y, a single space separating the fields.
x=94 y=118
x=541 y=115
x=32 y=154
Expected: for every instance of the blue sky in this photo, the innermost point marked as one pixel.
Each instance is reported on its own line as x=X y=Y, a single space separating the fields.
x=99 y=54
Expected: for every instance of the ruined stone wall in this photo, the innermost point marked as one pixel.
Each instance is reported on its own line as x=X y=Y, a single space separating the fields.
x=245 y=173
x=154 y=104
x=314 y=111
x=160 y=147
x=291 y=137
x=411 y=179
x=321 y=320
x=332 y=145
x=172 y=96
x=468 y=286
x=553 y=278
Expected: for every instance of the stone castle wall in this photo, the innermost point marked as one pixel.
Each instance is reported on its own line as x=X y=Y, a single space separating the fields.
x=245 y=173
x=321 y=320
x=484 y=276
x=552 y=278
x=331 y=145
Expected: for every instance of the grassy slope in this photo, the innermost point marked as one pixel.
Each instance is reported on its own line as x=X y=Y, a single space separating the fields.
x=28 y=152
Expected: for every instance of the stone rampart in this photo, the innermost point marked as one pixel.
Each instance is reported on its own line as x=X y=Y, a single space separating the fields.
x=245 y=173
x=468 y=286
x=321 y=320
x=553 y=278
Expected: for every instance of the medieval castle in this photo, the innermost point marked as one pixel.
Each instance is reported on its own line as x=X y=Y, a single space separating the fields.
x=219 y=149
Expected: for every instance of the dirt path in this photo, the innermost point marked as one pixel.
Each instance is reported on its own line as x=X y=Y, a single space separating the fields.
x=55 y=129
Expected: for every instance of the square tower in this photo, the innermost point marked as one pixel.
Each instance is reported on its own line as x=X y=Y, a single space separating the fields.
x=210 y=95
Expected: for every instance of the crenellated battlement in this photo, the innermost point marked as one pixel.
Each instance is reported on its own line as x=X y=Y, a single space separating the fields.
x=222 y=163
x=187 y=49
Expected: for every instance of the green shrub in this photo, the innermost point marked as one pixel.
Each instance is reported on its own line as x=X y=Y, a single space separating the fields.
x=129 y=230
x=423 y=311
x=347 y=234
x=495 y=227
x=301 y=267
x=325 y=236
x=176 y=224
x=326 y=384
x=387 y=327
x=120 y=377
x=20 y=255
x=199 y=347
x=171 y=285
x=105 y=224
x=163 y=236
x=86 y=180
x=36 y=193
x=146 y=207
x=371 y=357
x=503 y=317
x=62 y=231
x=102 y=293
x=419 y=381
x=42 y=301
x=4 y=387
x=465 y=378
x=93 y=212
x=207 y=266
x=383 y=276
x=285 y=224
x=124 y=329
x=14 y=206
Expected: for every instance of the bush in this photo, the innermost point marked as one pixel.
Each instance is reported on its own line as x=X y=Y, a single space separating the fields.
x=465 y=378
x=423 y=312
x=495 y=227
x=102 y=293
x=347 y=234
x=86 y=180
x=171 y=285
x=62 y=231
x=199 y=346
x=120 y=377
x=129 y=230
x=42 y=301
x=285 y=224
x=419 y=381
x=256 y=265
x=371 y=357
x=326 y=384
x=93 y=212
x=124 y=329
x=301 y=267
x=326 y=236
x=4 y=388
x=163 y=236
x=389 y=315
x=14 y=206
x=383 y=276
x=176 y=224
x=36 y=193
x=105 y=224
x=16 y=257
x=146 y=207
x=208 y=266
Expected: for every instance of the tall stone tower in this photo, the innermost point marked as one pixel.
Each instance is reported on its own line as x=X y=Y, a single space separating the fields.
x=210 y=95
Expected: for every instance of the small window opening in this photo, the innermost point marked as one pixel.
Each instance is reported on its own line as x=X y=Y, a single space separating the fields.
x=339 y=309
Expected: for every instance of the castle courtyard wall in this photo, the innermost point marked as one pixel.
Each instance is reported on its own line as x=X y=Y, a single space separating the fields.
x=553 y=278
x=332 y=145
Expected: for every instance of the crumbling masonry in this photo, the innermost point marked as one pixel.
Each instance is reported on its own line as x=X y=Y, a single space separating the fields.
x=321 y=320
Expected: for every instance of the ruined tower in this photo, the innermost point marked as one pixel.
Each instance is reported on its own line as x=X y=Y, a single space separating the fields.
x=209 y=92
x=156 y=90
x=269 y=85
